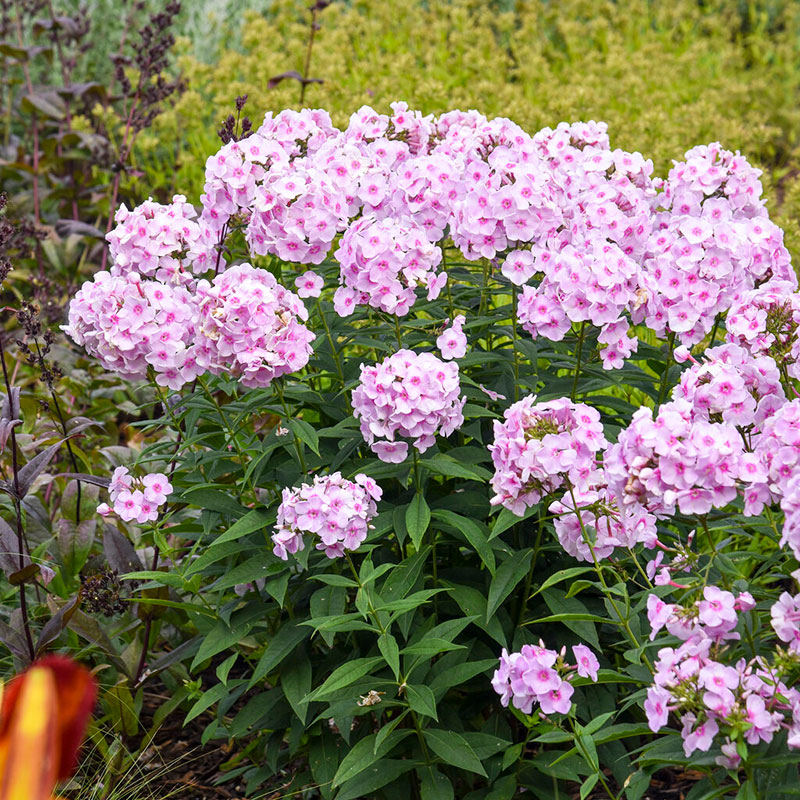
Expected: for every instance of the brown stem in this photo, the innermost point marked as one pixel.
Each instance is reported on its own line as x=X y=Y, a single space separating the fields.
x=307 y=64
x=23 y=602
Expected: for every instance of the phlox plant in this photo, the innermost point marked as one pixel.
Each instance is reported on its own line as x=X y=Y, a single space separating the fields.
x=475 y=463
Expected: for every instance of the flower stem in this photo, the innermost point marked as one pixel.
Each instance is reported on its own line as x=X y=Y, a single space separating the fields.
x=578 y=354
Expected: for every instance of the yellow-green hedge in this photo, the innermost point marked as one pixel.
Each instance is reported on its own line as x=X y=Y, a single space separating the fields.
x=664 y=75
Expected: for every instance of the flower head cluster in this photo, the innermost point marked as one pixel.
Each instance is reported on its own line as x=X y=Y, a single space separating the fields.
x=136 y=499
x=131 y=325
x=775 y=461
x=383 y=261
x=539 y=446
x=674 y=460
x=251 y=327
x=598 y=526
x=713 y=242
x=595 y=282
x=606 y=242
x=542 y=676
x=733 y=386
x=746 y=699
x=165 y=242
x=411 y=395
x=335 y=510
x=765 y=322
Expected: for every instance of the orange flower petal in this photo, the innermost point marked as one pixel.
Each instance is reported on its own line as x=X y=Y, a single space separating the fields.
x=29 y=745
x=44 y=710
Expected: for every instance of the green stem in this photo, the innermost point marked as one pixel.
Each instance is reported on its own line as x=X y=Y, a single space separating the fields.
x=514 y=337
x=484 y=288
x=714 y=331
x=598 y=771
x=228 y=429
x=578 y=354
x=335 y=353
x=598 y=569
x=662 y=392
x=298 y=446
x=397 y=333
x=447 y=285
x=377 y=622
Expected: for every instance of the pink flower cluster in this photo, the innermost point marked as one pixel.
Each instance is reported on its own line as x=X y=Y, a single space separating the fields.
x=250 y=327
x=539 y=446
x=674 y=460
x=733 y=386
x=165 y=242
x=709 y=696
x=413 y=395
x=765 y=322
x=785 y=615
x=335 y=510
x=130 y=326
x=542 y=676
x=243 y=323
x=595 y=282
x=136 y=499
x=713 y=241
x=382 y=262
x=599 y=526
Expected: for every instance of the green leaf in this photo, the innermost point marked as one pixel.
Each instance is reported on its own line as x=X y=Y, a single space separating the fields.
x=388 y=728
x=220 y=638
x=366 y=752
x=431 y=646
x=225 y=667
x=305 y=433
x=278 y=648
x=508 y=575
x=504 y=788
x=335 y=580
x=418 y=517
x=461 y=673
x=588 y=750
x=373 y=778
x=747 y=791
x=411 y=602
x=422 y=700
x=507 y=519
x=453 y=749
x=252 y=521
x=588 y=785
x=473 y=603
x=328 y=601
x=214 y=500
x=296 y=683
x=390 y=651
x=343 y=676
x=323 y=758
x=450 y=468
x=433 y=784
x=572 y=613
x=471 y=531
x=206 y=700
x=561 y=575
x=248 y=571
